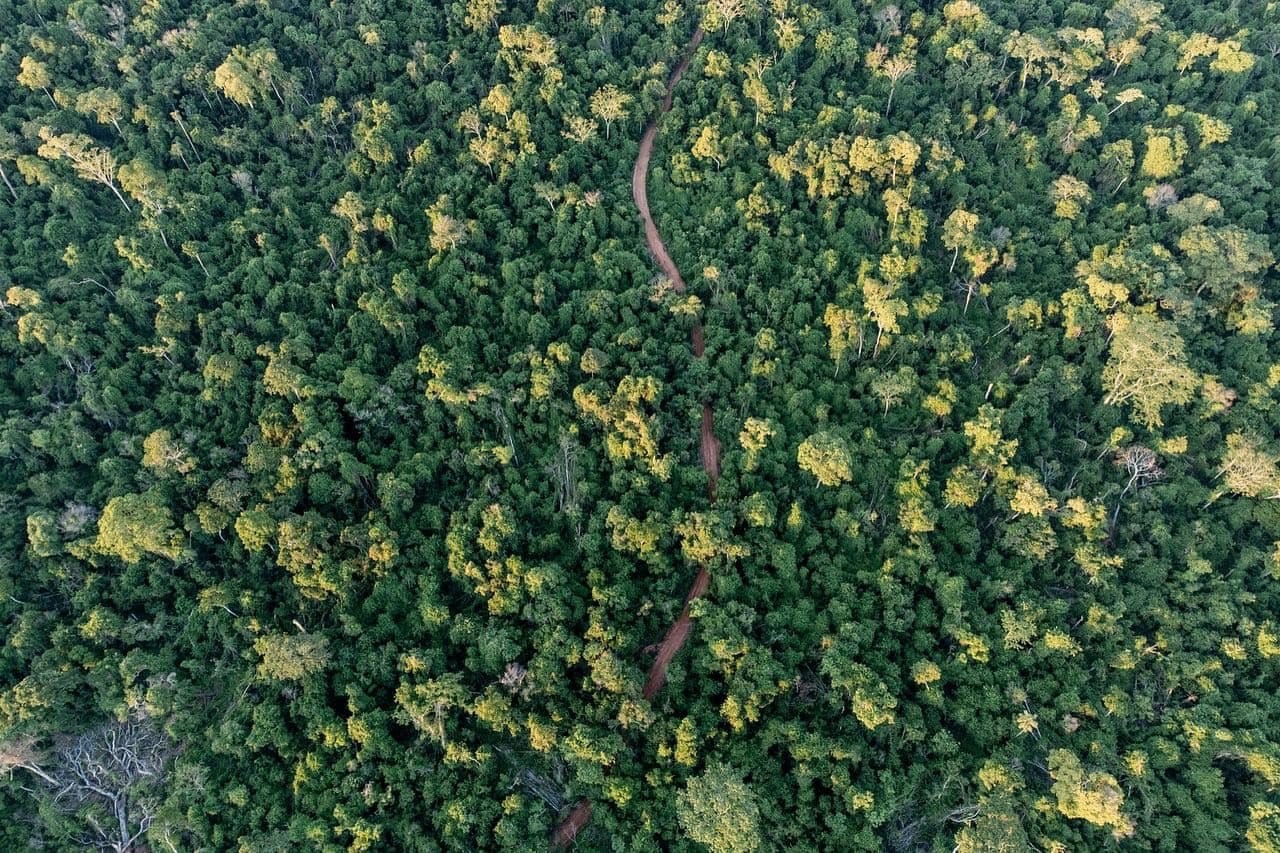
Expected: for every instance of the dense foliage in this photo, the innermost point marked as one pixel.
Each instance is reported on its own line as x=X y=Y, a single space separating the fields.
x=349 y=437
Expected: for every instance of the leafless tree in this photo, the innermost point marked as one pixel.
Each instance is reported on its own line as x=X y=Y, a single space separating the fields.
x=889 y=20
x=108 y=777
x=1143 y=467
x=22 y=753
x=563 y=469
x=548 y=788
x=513 y=678
x=76 y=518
x=1162 y=195
x=1141 y=463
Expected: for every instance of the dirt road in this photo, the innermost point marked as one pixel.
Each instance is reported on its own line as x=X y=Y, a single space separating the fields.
x=640 y=176
x=709 y=445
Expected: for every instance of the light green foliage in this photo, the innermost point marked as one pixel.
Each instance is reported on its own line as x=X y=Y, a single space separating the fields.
x=135 y=525
x=826 y=456
x=1147 y=367
x=719 y=811
x=290 y=657
x=1090 y=796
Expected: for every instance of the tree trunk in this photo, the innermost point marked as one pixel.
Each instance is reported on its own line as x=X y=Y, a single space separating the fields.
x=117 y=192
x=120 y=805
x=12 y=191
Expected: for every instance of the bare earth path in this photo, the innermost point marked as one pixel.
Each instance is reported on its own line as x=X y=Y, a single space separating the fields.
x=709 y=445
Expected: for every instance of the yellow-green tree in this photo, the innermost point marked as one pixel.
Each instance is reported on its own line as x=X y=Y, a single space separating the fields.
x=34 y=74
x=1094 y=796
x=132 y=526
x=1147 y=366
x=609 y=104
x=718 y=810
x=87 y=160
x=826 y=456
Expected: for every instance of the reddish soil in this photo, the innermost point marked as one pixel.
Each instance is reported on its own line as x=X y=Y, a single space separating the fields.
x=709 y=445
x=640 y=178
x=709 y=450
x=578 y=818
x=676 y=635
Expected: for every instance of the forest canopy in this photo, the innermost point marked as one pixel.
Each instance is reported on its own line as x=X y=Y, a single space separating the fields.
x=370 y=484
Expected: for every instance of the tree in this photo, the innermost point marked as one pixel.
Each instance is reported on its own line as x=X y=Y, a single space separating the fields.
x=1249 y=470
x=1263 y=833
x=718 y=810
x=164 y=455
x=291 y=657
x=755 y=89
x=1069 y=194
x=720 y=14
x=1031 y=50
x=609 y=104
x=708 y=146
x=1126 y=96
x=107 y=779
x=1090 y=796
x=957 y=232
x=482 y=14
x=826 y=456
x=245 y=74
x=1070 y=128
x=235 y=78
x=147 y=185
x=88 y=161
x=8 y=153
x=882 y=307
x=892 y=387
x=893 y=68
x=35 y=75
x=996 y=828
x=1164 y=154
x=103 y=104
x=1147 y=366
x=446 y=232
x=1228 y=263
x=843 y=328
x=134 y=525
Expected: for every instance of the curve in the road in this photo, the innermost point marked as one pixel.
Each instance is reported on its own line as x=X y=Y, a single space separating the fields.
x=709 y=446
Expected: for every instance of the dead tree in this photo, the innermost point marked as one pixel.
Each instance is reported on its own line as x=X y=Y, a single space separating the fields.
x=1144 y=469
x=108 y=777
x=563 y=469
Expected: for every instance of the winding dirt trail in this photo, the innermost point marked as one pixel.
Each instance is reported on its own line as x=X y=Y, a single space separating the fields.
x=708 y=446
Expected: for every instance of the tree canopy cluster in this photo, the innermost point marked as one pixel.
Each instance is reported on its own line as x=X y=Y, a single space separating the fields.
x=350 y=436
